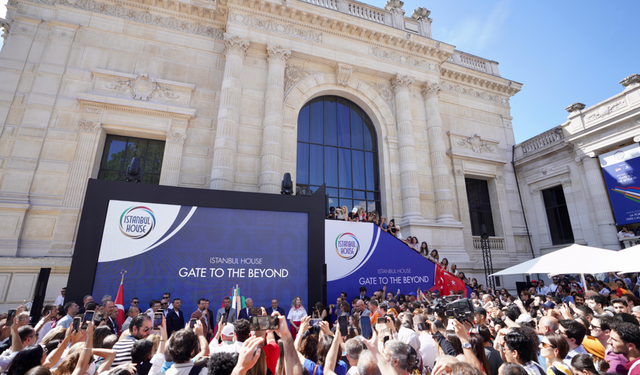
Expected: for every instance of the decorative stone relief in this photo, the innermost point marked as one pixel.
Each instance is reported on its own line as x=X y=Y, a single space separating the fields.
x=343 y=72
x=393 y=4
x=93 y=110
x=61 y=34
x=278 y=54
x=534 y=191
x=566 y=182
x=142 y=88
x=176 y=137
x=631 y=81
x=575 y=107
x=458 y=172
x=275 y=27
x=385 y=91
x=6 y=26
x=544 y=171
x=292 y=74
x=142 y=16
x=400 y=82
x=604 y=111
x=420 y=13
x=88 y=126
x=476 y=144
x=181 y=123
x=431 y=88
x=457 y=89
x=403 y=59
x=500 y=178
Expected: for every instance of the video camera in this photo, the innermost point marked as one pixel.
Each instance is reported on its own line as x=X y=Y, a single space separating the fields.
x=460 y=309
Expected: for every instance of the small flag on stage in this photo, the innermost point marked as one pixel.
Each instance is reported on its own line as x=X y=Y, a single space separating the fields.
x=120 y=301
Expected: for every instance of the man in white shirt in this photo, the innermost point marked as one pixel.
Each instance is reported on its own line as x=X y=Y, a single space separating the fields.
x=60 y=299
x=406 y=334
x=541 y=289
x=133 y=312
x=71 y=308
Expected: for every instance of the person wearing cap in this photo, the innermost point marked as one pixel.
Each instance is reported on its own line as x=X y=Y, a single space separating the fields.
x=411 y=297
x=227 y=335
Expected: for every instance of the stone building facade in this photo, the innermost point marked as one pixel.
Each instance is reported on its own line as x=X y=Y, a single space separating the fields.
x=565 y=159
x=222 y=83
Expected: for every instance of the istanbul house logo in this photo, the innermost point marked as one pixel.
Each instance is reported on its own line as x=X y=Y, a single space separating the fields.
x=347 y=246
x=137 y=222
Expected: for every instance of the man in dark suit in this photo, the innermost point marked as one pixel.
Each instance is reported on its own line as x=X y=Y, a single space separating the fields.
x=231 y=313
x=244 y=313
x=201 y=314
x=210 y=316
x=275 y=307
x=111 y=311
x=175 y=317
x=362 y=295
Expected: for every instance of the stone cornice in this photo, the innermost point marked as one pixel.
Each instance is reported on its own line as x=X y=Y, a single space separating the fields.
x=427 y=48
x=135 y=106
x=160 y=13
x=475 y=78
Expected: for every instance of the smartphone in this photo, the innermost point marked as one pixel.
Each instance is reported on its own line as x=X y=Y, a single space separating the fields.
x=192 y=322
x=274 y=323
x=88 y=316
x=259 y=323
x=314 y=322
x=224 y=318
x=255 y=311
x=382 y=320
x=76 y=323
x=343 y=325
x=11 y=314
x=157 y=320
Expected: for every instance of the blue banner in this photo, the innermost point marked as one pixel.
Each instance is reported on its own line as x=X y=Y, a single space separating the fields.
x=621 y=169
x=360 y=254
x=202 y=252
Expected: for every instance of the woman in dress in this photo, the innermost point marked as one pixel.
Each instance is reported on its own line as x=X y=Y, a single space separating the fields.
x=296 y=313
x=554 y=348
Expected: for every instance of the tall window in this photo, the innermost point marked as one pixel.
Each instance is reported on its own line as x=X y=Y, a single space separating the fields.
x=558 y=216
x=337 y=146
x=117 y=155
x=479 y=206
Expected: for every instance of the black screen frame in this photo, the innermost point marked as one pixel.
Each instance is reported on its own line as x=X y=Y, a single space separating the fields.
x=96 y=203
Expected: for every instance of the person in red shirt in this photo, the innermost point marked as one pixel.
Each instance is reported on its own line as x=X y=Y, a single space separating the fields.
x=270 y=348
x=625 y=340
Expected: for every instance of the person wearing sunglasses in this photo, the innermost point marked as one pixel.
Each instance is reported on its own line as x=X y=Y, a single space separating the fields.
x=554 y=348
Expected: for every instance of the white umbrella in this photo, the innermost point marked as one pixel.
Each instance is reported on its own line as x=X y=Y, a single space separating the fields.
x=629 y=259
x=571 y=259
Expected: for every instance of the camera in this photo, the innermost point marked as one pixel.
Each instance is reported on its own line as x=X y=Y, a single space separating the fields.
x=461 y=310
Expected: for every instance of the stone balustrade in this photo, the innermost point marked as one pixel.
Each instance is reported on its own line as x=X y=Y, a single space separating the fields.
x=474 y=62
x=495 y=243
x=539 y=142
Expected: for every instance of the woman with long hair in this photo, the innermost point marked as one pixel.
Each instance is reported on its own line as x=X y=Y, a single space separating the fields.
x=582 y=364
x=26 y=359
x=415 y=244
x=444 y=264
x=434 y=256
x=554 y=348
x=424 y=249
x=477 y=346
x=296 y=313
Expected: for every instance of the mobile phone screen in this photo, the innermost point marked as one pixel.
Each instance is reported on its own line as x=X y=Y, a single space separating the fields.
x=343 y=325
x=274 y=323
x=192 y=322
x=157 y=320
x=88 y=316
x=76 y=323
x=11 y=314
x=255 y=311
x=259 y=323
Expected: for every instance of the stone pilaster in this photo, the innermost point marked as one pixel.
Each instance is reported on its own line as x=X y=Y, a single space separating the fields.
x=438 y=158
x=600 y=200
x=271 y=153
x=406 y=148
x=225 y=146
x=88 y=133
x=171 y=159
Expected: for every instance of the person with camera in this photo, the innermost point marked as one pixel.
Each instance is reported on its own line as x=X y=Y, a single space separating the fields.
x=427 y=350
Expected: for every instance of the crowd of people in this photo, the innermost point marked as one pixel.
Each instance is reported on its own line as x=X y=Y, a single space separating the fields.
x=565 y=328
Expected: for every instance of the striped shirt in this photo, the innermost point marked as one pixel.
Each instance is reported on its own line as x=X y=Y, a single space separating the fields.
x=123 y=350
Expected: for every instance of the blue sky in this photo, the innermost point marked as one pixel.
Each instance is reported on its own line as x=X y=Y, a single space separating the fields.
x=563 y=51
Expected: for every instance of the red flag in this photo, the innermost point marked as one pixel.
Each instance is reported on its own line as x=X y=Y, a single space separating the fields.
x=120 y=305
x=446 y=283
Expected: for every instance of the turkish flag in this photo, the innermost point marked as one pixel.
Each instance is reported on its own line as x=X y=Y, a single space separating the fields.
x=120 y=305
x=447 y=283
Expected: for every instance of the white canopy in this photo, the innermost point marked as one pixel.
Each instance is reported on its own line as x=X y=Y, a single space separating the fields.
x=629 y=259
x=572 y=259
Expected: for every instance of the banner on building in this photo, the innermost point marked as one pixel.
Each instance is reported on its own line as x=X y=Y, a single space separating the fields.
x=621 y=169
x=202 y=252
x=360 y=254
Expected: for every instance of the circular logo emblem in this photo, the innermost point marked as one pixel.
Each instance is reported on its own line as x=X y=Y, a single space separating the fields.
x=347 y=246
x=137 y=222
x=619 y=155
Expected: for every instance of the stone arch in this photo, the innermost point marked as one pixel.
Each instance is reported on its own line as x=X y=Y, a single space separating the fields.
x=370 y=101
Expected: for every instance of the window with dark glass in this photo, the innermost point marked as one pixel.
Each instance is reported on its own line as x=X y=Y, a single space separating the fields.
x=479 y=206
x=337 y=146
x=557 y=216
x=117 y=155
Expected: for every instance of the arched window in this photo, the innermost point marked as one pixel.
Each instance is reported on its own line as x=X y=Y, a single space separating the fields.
x=337 y=146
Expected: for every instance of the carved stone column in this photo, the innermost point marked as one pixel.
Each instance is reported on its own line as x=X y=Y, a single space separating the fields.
x=599 y=198
x=437 y=148
x=225 y=147
x=82 y=162
x=271 y=153
x=406 y=148
x=171 y=159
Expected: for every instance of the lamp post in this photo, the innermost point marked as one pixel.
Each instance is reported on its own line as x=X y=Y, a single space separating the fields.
x=486 y=258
